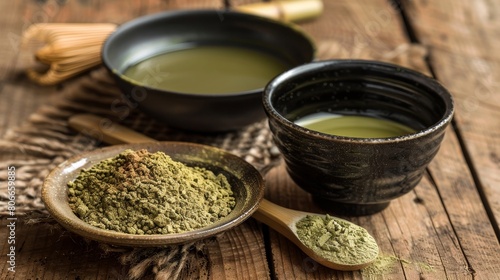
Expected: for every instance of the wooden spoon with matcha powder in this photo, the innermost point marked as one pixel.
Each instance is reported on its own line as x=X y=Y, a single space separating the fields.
x=330 y=241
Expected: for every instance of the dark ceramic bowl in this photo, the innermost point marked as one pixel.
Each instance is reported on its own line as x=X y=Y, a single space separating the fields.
x=246 y=182
x=357 y=176
x=156 y=34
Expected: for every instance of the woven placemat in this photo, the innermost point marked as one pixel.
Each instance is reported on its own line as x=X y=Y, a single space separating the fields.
x=46 y=140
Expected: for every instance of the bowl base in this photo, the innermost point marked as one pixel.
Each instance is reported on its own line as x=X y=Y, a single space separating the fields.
x=349 y=209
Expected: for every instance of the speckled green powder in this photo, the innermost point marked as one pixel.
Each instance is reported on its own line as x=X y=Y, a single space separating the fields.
x=337 y=240
x=139 y=192
x=381 y=266
x=388 y=264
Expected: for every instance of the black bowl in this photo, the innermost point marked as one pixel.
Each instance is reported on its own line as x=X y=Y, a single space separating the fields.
x=152 y=35
x=357 y=176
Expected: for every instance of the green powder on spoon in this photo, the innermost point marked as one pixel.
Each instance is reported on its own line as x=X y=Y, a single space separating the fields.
x=337 y=240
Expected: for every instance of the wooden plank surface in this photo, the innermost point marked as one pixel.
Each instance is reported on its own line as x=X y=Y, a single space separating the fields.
x=441 y=230
x=465 y=57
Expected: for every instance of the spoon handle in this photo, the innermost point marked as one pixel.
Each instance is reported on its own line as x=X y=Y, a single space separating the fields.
x=106 y=131
x=278 y=218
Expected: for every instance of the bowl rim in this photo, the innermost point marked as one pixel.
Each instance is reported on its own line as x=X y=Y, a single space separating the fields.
x=326 y=65
x=194 y=12
x=72 y=166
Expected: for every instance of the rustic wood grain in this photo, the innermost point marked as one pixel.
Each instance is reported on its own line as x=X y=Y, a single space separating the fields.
x=475 y=84
x=470 y=222
x=464 y=39
x=239 y=254
x=465 y=56
x=19 y=98
x=461 y=27
x=47 y=251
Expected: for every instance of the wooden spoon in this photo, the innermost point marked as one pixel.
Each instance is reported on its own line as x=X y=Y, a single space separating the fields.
x=284 y=220
x=279 y=218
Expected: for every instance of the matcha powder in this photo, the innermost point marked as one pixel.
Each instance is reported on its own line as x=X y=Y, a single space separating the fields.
x=139 y=192
x=337 y=240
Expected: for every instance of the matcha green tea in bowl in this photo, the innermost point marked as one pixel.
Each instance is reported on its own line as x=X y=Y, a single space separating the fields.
x=231 y=69
x=355 y=126
x=202 y=70
x=357 y=134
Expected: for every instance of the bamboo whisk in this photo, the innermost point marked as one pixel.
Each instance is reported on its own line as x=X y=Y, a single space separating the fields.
x=73 y=48
x=70 y=48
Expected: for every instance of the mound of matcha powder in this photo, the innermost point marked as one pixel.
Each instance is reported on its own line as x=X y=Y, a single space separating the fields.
x=139 y=192
x=337 y=240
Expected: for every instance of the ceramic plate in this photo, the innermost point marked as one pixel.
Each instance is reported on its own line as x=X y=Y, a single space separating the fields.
x=246 y=181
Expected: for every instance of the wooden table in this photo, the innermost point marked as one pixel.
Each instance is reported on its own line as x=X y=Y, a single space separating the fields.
x=447 y=228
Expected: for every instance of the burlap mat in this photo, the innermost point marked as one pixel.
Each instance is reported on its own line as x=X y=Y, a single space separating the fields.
x=46 y=140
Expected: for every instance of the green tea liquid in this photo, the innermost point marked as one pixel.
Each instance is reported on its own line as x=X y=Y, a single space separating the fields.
x=353 y=126
x=208 y=70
